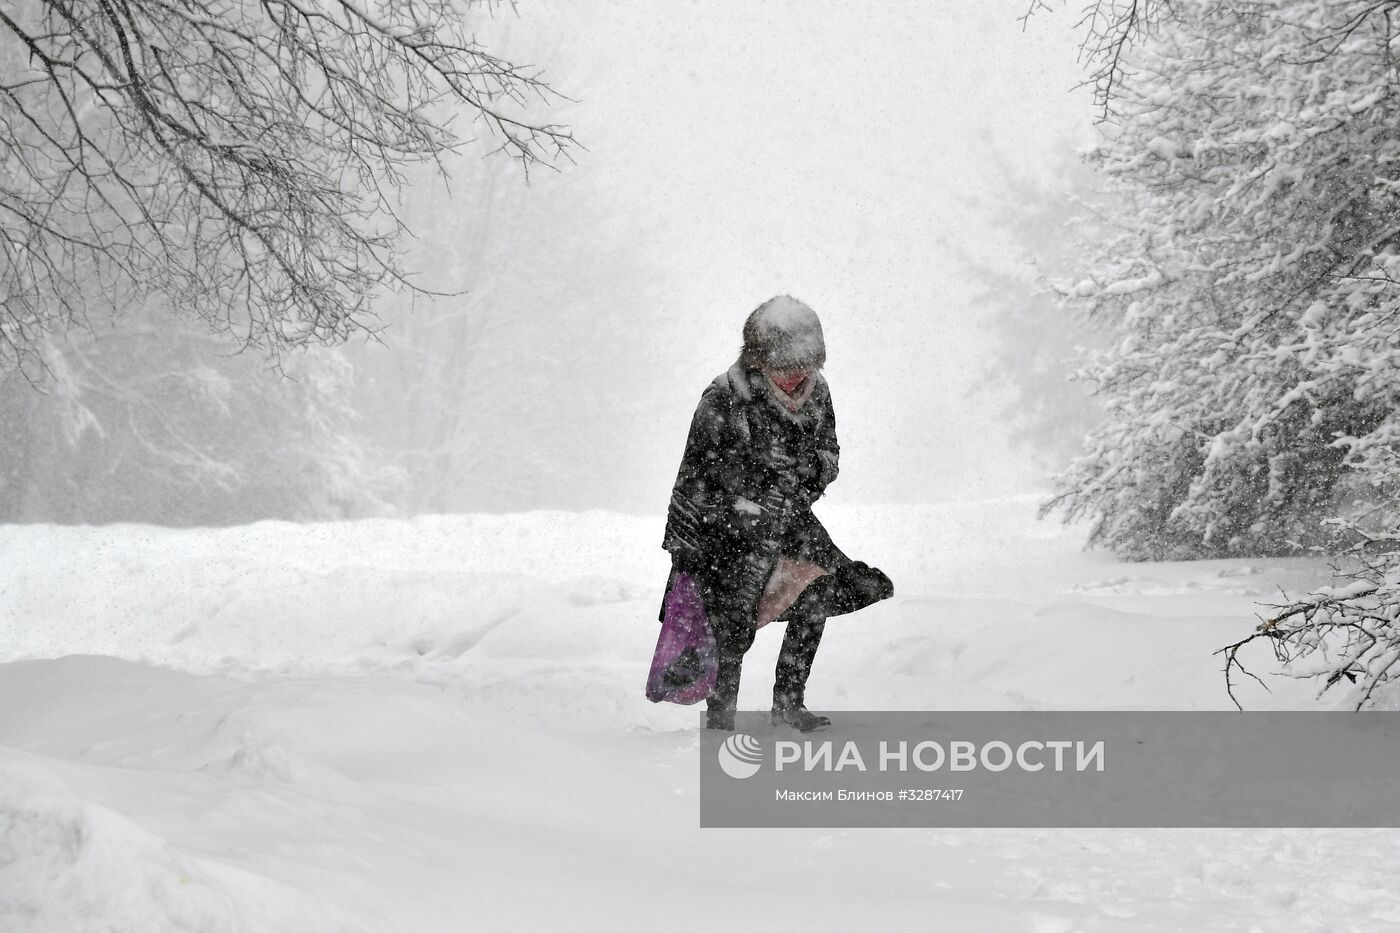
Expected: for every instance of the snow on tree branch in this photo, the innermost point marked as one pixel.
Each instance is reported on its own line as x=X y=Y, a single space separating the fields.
x=1345 y=632
x=1252 y=385
x=1250 y=284
x=238 y=158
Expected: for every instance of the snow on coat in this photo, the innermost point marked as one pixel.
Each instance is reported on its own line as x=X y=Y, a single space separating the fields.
x=747 y=480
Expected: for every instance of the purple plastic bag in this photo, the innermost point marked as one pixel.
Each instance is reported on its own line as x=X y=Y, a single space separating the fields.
x=686 y=662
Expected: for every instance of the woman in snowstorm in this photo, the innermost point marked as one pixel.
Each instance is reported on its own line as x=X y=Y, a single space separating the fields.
x=761 y=449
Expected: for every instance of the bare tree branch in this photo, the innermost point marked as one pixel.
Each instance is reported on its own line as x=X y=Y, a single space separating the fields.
x=238 y=158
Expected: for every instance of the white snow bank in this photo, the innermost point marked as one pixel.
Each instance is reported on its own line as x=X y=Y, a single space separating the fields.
x=992 y=607
x=70 y=865
x=439 y=724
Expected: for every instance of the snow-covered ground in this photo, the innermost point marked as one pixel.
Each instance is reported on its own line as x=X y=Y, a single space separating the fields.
x=438 y=724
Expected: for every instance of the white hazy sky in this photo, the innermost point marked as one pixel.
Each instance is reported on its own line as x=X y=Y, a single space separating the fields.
x=832 y=151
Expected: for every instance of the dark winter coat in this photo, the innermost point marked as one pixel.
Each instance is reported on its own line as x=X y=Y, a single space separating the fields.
x=744 y=492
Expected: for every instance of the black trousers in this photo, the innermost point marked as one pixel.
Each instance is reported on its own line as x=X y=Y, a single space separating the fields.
x=851 y=586
x=734 y=630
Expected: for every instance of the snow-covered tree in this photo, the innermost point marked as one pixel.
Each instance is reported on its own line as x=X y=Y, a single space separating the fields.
x=237 y=161
x=1342 y=634
x=175 y=170
x=1250 y=283
x=150 y=419
x=1252 y=290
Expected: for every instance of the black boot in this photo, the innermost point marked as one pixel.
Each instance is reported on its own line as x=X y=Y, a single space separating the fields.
x=806 y=623
x=734 y=633
x=795 y=659
x=792 y=712
x=720 y=704
x=722 y=719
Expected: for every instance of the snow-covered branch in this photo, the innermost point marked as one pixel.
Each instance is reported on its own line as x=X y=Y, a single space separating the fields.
x=237 y=160
x=1251 y=382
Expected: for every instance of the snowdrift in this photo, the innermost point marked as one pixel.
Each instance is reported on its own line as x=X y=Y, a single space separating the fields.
x=438 y=724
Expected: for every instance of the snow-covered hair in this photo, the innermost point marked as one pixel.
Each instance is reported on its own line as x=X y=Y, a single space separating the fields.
x=783 y=333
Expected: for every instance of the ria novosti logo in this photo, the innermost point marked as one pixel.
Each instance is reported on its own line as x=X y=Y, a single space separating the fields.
x=741 y=756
